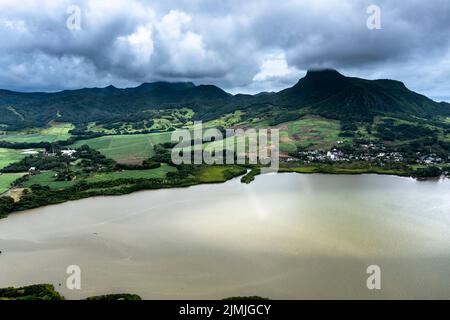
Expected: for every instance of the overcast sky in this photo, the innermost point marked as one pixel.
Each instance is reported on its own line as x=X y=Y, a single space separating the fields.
x=242 y=46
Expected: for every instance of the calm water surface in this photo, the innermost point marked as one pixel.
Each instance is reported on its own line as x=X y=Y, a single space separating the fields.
x=285 y=236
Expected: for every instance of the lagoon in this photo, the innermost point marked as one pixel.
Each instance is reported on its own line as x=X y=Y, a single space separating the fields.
x=284 y=236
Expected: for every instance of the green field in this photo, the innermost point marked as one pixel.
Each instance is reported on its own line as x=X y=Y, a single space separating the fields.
x=227 y=120
x=209 y=174
x=6 y=179
x=310 y=131
x=55 y=132
x=8 y=156
x=157 y=173
x=343 y=169
x=133 y=148
x=47 y=178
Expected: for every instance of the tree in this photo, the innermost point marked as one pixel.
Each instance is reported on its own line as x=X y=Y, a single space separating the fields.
x=6 y=205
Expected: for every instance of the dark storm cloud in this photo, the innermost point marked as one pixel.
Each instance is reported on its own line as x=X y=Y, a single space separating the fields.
x=241 y=45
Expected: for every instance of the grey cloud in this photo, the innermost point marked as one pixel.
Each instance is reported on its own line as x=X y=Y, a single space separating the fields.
x=221 y=42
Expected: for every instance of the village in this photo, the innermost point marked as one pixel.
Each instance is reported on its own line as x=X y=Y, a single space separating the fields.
x=371 y=152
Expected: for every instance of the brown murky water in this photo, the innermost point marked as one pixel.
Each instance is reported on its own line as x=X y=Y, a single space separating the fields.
x=285 y=236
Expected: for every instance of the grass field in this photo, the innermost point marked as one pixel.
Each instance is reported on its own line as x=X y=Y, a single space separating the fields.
x=209 y=174
x=343 y=169
x=310 y=131
x=133 y=148
x=54 y=132
x=8 y=156
x=6 y=180
x=227 y=120
x=135 y=174
x=48 y=178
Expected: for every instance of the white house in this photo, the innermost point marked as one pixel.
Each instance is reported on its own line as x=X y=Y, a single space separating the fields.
x=68 y=152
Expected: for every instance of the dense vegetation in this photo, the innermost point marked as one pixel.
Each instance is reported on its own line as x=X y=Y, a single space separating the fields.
x=389 y=130
x=6 y=206
x=117 y=296
x=249 y=298
x=48 y=292
x=427 y=172
x=91 y=160
x=250 y=176
x=33 y=292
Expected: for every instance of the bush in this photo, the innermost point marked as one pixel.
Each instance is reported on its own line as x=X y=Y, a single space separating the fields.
x=6 y=205
x=428 y=172
x=33 y=292
x=119 y=296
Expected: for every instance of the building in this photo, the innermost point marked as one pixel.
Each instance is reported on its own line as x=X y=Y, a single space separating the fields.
x=68 y=152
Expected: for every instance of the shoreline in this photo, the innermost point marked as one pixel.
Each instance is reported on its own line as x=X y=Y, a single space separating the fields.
x=251 y=174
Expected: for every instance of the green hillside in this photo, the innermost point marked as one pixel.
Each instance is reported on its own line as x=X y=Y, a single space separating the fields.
x=324 y=92
x=333 y=95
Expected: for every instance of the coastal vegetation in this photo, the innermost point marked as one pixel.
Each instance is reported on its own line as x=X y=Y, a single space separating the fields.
x=48 y=292
x=249 y=298
x=32 y=292
x=86 y=172
x=250 y=176
x=117 y=296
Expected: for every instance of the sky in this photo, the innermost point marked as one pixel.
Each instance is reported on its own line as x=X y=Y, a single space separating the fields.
x=242 y=46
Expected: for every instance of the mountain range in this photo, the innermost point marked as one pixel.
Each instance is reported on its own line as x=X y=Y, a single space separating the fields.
x=325 y=92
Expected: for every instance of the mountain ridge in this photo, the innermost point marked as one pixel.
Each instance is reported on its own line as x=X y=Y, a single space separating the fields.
x=323 y=91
